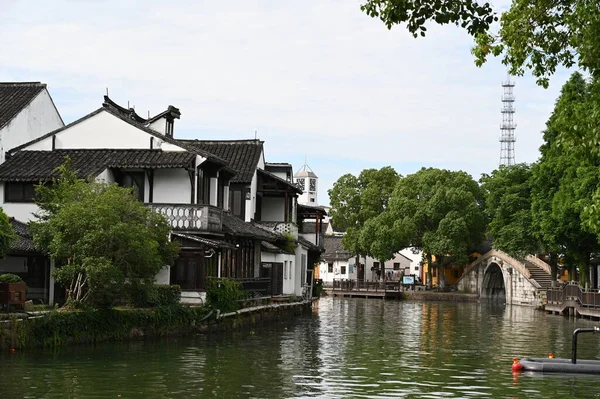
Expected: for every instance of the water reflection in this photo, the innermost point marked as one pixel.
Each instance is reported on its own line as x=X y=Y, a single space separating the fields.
x=346 y=348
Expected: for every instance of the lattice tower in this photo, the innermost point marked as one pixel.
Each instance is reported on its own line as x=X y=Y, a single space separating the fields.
x=508 y=125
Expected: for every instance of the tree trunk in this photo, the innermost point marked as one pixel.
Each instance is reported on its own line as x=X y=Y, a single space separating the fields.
x=383 y=276
x=441 y=275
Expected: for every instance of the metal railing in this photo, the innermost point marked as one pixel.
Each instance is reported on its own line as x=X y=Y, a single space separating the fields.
x=367 y=286
x=573 y=292
x=186 y=217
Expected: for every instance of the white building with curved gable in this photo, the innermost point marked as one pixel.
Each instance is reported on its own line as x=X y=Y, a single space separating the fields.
x=308 y=182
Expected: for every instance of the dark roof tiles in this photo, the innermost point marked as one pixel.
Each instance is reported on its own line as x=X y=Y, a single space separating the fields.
x=16 y=96
x=242 y=155
x=334 y=250
x=41 y=165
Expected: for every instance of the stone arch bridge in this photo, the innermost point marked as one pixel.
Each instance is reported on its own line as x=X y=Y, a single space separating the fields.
x=498 y=276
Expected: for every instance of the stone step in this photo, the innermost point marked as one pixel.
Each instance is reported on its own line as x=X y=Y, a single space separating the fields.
x=539 y=275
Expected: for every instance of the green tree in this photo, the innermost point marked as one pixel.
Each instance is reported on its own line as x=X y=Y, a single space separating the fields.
x=564 y=181
x=101 y=237
x=507 y=193
x=7 y=234
x=355 y=200
x=535 y=35
x=435 y=210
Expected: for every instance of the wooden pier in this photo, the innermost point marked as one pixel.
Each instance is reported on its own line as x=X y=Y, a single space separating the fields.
x=573 y=300
x=367 y=289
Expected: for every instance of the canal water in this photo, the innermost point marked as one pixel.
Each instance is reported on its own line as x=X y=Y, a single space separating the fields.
x=347 y=348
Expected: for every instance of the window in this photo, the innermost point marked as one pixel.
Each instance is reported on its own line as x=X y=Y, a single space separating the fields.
x=236 y=201
x=375 y=265
x=416 y=268
x=19 y=192
x=300 y=183
x=330 y=267
x=285 y=269
x=290 y=270
x=135 y=181
x=343 y=269
x=312 y=200
x=396 y=266
x=312 y=185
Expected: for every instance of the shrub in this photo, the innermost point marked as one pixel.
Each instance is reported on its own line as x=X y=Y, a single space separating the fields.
x=10 y=278
x=224 y=294
x=165 y=295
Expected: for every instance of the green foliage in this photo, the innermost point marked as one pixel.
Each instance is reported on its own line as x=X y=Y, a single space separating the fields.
x=58 y=328
x=469 y=14
x=99 y=235
x=10 y=278
x=356 y=200
x=7 y=234
x=224 y=294
x=565 y=180
x=533 y=35
x=435 y=210
x=508 y=207
x=289 y=245
x=165 y=295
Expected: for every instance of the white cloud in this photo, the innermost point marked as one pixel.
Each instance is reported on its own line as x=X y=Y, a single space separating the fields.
x=316 y=78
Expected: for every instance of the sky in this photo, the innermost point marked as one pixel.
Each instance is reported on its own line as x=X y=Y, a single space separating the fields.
x=317 y=80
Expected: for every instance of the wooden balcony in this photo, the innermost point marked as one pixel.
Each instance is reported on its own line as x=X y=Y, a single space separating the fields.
x=186 y=217
x=282 y=227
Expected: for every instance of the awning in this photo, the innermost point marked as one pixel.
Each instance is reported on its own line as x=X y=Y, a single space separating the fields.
x=206 y=241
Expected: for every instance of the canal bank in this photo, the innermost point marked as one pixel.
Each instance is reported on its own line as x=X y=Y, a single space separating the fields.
x=415 y=295
x=60 y=328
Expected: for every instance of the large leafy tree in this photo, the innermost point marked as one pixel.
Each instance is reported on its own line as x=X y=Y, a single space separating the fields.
x=535 y=35
x=564 y=181
x=435 y=210
x=507 y=193
x=100 y=236
x=355 y=200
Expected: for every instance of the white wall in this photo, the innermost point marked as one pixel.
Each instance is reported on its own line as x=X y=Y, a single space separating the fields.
x=35 y=120
x=159 y=125
x=105 y=130
x=21 y=211
x=171 y=186
x=288 y=261
x=251 y=203
x=273 y=209
x=336 y=274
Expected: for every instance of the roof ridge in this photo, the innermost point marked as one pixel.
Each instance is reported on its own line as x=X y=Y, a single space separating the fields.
x=22 y=84
x=253 y=141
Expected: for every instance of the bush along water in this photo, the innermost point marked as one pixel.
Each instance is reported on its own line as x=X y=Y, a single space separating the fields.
x=59 y=328
x=224 y=294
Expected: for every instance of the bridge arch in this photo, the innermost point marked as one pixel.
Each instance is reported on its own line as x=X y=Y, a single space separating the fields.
x=498 y=276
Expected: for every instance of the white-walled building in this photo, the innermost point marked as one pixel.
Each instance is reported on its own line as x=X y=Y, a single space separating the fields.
x=308 y=182
x=26 y=113
x=212 y=203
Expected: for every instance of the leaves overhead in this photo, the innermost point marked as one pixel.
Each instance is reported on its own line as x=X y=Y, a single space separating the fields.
x=534 y=35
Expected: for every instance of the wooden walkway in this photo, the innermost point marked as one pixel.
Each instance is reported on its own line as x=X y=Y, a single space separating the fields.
x=573 y=300
x=367 y=289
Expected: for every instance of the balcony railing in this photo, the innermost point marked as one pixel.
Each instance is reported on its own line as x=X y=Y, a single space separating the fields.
x=186 y=217
x=282 y=227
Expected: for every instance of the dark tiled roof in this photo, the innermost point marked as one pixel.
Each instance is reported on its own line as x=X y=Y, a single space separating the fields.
x=272 y=248
x=334 y=250
x=281 y=181
x=24 y=240
x=16 y=96
x=309 y=227
x=134 y=123
x=41 y=165
x=308 y=244
x=242 y=155
x=203 y=240
x=237 y=227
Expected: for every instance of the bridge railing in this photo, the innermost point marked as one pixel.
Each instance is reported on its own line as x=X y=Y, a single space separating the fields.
x=573 y=291
x=364 y=285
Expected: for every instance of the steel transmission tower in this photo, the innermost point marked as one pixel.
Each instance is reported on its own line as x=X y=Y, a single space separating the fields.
x=507 y=128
